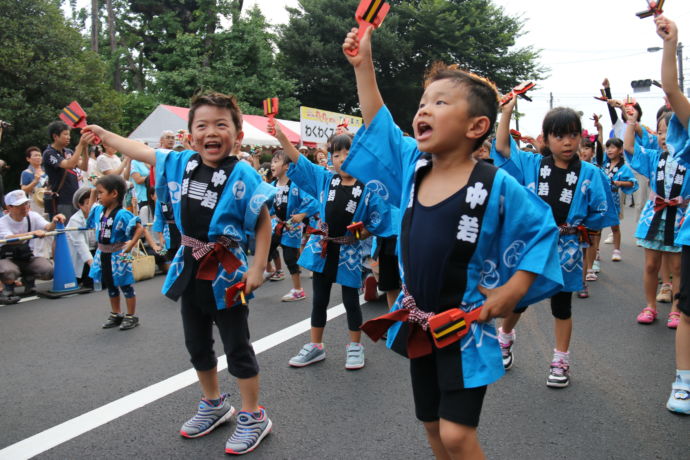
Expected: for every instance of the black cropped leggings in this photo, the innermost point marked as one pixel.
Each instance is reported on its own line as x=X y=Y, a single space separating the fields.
x=322 y=295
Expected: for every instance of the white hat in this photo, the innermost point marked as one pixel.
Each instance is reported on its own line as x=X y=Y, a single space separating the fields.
x=304 y=147
x=16 y=198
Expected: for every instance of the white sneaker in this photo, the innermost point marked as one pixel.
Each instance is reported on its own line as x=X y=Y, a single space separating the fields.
x=609 y=239
x=616 y=257
x=293 y=295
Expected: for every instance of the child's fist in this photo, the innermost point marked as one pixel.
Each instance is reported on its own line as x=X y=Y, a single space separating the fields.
x=666 y=29
x=360 y=48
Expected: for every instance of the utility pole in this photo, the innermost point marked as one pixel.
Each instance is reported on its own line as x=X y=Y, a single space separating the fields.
x=550 y=101
x=681 y=80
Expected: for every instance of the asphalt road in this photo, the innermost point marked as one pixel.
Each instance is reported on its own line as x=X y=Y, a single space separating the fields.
x=57 y=364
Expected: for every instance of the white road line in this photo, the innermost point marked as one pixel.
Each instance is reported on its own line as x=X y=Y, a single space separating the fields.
x=77 y=426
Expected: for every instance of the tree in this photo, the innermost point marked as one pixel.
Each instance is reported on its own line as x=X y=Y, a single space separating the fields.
x=476 y=34
x=241 y=61
x=41 y=71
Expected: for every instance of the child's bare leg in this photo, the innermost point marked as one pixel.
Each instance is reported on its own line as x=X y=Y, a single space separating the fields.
x=652 y=264
x=673 y=262
x=683 y=343
x=249 y=392
x=209 y=383
x=131 y=305
x=509 y=322
x=317 y=334
x=433 y=435
x=563 y=329
x=279 y=263
x=115 y=305
x=665 y=269
x=392 y=296
x=616 y=230
x=296 y=281
x=460 y=441
x=355 y=336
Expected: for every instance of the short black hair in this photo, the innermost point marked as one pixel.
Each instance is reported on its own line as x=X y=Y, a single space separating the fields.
x=341 y=142
x=662 y=110
x=615 y=141
x=56 y=128
x=281 y=155
x=665 y=117
x=559 y=122
x=225 y=101
x=33 y=148
x=115 y=182
x=481 y=93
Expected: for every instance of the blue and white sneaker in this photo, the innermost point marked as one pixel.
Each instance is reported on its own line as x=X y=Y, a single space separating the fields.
x=249 y=433
x=309 y=354
x=355 y=356
x=679 y=401
x=207 y=418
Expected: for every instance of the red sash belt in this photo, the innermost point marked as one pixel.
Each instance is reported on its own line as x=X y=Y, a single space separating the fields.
x=212 y=254
x=323 y=231
x=444 y=328
x=580 y=230
x=661 y=203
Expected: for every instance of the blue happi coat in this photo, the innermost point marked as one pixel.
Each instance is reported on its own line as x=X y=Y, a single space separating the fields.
x=160 y=223
x=624 y=174
x=678 y=144
x=236 y=212
x=645 y=162
x=515 y=235
x=298 y=202
x=591 y=206
x=124 y=226
x=371 y=210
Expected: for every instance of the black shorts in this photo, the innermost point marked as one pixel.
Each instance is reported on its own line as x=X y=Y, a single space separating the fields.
x=462 y=406
x=389 y=273
x=684 y=294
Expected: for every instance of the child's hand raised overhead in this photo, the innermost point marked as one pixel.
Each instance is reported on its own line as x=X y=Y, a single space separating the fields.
x=508 y=107
x=352 y=42
x=95 y=129
x=666 y=29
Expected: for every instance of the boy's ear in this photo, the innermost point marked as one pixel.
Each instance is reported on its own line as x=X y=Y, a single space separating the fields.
x=478 y=127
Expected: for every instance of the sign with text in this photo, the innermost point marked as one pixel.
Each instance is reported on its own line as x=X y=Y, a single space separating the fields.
x=318 y=125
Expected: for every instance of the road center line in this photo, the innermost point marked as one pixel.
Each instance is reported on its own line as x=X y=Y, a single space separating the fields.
x=81 y=424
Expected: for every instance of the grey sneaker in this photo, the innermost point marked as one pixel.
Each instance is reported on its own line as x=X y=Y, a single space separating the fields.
x=207 y=418
x=309 y=354
x=355 y=356
x=249 y=432
x=129 y=322
x=114 y=320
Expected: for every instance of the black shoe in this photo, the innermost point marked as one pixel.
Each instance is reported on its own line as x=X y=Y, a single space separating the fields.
x=114 y=320
x=129 y=322
x=8 y=299
x=7 y=296
x=29 y=286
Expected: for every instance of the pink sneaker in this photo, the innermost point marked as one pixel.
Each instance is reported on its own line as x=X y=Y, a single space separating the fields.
x=294 y=295
x=673 y=320
x=647 y=316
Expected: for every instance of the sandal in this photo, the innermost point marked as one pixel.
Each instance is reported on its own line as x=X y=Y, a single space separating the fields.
x=647 y=315
x=584 y=293
x=673 y=320
x=591 y=276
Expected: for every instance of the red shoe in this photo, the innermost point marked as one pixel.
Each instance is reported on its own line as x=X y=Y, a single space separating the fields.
x=371 y=292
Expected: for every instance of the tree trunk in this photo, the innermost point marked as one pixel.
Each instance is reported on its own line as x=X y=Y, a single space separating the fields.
x=94 y=25
x=117 y=77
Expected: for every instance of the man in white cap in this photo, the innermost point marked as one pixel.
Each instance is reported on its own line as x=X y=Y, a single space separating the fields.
x=18 y=259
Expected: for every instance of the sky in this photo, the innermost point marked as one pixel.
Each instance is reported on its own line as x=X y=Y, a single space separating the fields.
x=582 y=42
